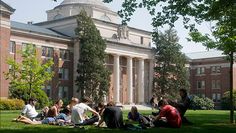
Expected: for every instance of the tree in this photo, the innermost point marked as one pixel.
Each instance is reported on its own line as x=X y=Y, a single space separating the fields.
x=28 y=77
x=225 y=100
x=222 y=12
x=171 y=73
x=93 y=76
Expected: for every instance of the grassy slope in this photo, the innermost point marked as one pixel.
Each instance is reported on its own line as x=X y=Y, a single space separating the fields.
x=204 y=121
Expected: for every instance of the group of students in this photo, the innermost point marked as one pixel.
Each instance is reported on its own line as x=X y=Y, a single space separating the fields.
x=108 y=115
x=74 y=114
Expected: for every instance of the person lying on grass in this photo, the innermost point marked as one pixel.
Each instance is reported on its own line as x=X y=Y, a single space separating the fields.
x=61 y=119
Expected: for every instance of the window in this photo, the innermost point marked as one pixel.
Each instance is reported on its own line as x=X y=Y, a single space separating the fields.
x=141 y=40
x=63 y=73
x=201 y=95
x=215 y=84
x=47 y=90
x=47 y=51
x=216 y=97
x=215 y=69
x=31 y=47
x=64 y=54
x=63 y=92
x=201 y=84
x=200 y=70
x=12 y=47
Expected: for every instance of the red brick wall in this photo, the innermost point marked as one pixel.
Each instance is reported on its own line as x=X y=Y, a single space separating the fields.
x=223 y=76
x=4 y=41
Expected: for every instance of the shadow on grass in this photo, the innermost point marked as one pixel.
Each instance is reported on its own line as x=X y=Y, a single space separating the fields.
x=204 y=122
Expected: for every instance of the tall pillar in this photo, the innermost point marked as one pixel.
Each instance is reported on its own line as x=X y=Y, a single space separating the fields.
x=116 y=79
x=151 y=74
x=76 y=55
x=130 y=79
x=141 y=81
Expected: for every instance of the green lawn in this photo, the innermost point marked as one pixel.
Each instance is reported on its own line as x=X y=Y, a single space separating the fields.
x=204 y=121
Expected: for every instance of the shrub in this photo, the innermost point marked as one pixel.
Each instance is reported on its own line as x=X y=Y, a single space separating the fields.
x=11 y=104
x=225 y=100
x=201 y=103
x=42 y=98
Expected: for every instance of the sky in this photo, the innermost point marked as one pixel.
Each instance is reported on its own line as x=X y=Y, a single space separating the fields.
x=35 y=11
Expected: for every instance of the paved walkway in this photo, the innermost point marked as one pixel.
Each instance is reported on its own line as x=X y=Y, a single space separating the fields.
x=140 y=107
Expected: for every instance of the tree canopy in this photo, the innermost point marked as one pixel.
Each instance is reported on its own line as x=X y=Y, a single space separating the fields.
x=171 y=73
x=28 y=77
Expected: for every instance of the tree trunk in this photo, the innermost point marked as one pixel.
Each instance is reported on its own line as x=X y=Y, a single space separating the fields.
x=231 y=88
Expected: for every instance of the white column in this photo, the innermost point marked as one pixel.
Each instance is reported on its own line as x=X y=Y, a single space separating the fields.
x=151 y=74
x=117 y=79
x=130 y=79
x=75 y=62
x=141 y=81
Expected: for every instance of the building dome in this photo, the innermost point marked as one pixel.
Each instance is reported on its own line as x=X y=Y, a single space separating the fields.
x=96 y=3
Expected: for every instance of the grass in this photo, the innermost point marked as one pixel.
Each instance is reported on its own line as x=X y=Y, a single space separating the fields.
x=204 y=121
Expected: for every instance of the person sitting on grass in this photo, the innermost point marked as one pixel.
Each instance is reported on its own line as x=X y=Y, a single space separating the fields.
x=30 y=112
x=169 y=116
x=112 y=116
x=73 y=102
x=182 y=105
x=78 y=114
x=55 y=109
x=134 y=115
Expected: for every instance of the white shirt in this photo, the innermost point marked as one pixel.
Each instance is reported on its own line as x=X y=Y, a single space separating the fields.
x=29 y=111
x=78 y=113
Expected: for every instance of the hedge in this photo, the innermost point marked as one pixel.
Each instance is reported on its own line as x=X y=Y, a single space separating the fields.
x=11 y=104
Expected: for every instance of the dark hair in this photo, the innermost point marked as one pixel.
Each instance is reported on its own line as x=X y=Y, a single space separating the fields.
x=162 y=102
x=101 y=105
x=32 y=99
x=86 y=100
x=110 y=103
x=184 y=91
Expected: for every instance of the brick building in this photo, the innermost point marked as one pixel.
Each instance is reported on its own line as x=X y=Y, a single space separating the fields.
x=209 y=75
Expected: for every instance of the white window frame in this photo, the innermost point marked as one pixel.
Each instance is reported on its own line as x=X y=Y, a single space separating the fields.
x=202 y=84
x=12 y=47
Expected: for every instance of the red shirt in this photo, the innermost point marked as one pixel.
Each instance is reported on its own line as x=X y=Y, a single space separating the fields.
x=172 y=115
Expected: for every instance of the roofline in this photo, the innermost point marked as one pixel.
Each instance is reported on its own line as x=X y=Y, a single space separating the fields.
x=98 y=20
x=7 y=6
x=28 y=32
